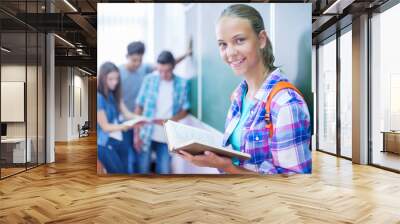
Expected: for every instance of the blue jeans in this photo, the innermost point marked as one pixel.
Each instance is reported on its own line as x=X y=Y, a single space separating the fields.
x=117 y=157
x=163 y=159
x=128 y=138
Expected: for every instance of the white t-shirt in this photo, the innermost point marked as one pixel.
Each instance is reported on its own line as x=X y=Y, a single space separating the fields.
x=163 y=109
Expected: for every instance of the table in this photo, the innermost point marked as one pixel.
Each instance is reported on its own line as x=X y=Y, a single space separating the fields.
x=391 y=141
x=13 y=150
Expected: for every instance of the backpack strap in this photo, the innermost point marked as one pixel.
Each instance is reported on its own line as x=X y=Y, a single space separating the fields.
x=278 y=87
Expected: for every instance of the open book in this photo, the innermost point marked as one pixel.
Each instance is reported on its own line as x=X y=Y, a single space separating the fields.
x=196 y=141
x=136 y=120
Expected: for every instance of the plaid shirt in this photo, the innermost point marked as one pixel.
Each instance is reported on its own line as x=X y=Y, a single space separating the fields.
x=147 y=99
x=288 y=150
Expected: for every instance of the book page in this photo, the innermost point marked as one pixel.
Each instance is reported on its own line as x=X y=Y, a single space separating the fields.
x=180 y=134
x=136 y=120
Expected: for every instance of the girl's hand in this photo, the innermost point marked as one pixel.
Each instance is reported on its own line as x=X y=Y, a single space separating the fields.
x=209 y=159
x=136 y=140
x=159 y=121
x=139 y=124
x=125 y=127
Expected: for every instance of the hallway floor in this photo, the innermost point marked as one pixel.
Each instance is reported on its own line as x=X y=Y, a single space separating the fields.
x=69 y=191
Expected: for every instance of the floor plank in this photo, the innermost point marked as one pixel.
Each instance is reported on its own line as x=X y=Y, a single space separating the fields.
x=69 y=191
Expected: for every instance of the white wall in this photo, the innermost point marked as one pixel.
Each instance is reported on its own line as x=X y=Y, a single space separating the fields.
x=61 y=89
x=80 y=110
x=169 y=33
x=13 y=73
x=71 y=94
x=120 y=24
x=16 y=73
x=143 y=20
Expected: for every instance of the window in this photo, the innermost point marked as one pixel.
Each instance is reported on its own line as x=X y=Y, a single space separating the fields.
x=346 y=93
x=385 y=89
x=327 y=96
x=23 y=77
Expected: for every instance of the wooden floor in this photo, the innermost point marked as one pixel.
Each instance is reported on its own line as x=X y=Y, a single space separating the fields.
x=10 y=171
x=5 y=172
x=69 y=191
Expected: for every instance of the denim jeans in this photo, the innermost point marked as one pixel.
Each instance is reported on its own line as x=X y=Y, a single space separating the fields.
x=117 y=157
x=163 y=159
x=128 y=138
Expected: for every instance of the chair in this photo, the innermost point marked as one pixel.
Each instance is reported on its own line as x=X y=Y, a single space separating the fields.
x=84 y=129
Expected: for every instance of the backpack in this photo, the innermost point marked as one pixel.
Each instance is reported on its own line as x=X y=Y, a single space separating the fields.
x=278 y=87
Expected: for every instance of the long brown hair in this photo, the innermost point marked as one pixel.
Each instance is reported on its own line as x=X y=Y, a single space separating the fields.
x=253 y=16
x=105 y=69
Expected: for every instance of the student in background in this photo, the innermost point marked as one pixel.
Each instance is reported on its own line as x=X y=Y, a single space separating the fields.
x=163 y=96
x=278 y=142
x=114 y=154
x=132 y=75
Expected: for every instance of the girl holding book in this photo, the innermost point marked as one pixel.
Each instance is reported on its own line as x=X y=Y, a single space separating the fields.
x=268 y=117
x=115 y=154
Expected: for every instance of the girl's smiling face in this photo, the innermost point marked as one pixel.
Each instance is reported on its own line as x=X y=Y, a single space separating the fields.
x=239 y=45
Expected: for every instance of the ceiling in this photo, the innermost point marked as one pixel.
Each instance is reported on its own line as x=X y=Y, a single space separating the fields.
x=332 y=15
x=76 y=21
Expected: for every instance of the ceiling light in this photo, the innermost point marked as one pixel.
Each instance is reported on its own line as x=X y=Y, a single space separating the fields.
x=64 y=40
x=70 y=5
x=84 y=71
x=5 y=50
x=338 y=6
